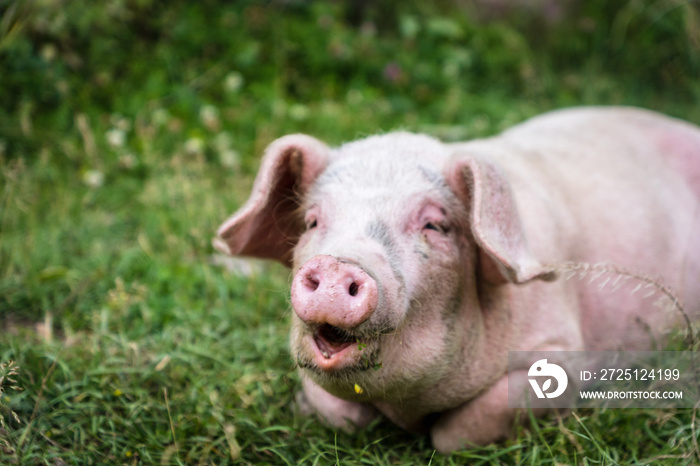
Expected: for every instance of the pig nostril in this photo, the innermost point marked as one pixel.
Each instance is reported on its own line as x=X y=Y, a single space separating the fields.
x=311 y=283
x=353 y=289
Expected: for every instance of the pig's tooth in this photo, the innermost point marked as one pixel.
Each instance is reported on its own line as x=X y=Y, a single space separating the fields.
x=325 y=355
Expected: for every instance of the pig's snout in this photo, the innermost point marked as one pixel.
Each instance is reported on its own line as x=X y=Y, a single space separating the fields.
x=330 y=291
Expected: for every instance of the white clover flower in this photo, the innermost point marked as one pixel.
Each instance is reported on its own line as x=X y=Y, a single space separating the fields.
x=209 y=115
x=49 y=52
x=161 y=117
x=194 y=146
x=299 y=112
x=229 y=158
x=116 y=137
x=223 y=141
x=233 y=82
x=94 y=178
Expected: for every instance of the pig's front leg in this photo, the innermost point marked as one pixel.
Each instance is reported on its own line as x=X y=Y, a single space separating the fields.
x=342 y=414
x=483 y=420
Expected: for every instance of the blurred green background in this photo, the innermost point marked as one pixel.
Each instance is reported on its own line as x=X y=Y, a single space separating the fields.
x=129 y=129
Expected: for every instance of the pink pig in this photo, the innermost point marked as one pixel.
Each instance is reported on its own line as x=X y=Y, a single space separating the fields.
x=418 y=265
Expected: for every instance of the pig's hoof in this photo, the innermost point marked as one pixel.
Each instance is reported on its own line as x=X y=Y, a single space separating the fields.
x=340 y=414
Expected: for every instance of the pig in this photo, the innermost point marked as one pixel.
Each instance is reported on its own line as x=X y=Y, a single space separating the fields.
x=417 y=264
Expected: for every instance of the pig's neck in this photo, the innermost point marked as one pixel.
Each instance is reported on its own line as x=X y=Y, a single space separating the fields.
x=481 y=360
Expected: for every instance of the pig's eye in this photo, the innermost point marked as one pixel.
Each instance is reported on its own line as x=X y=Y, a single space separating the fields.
x=436 y=227
x=313 y=223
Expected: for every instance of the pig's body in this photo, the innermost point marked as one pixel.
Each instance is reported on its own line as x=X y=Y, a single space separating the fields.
x=617 y=186
x=419 y=265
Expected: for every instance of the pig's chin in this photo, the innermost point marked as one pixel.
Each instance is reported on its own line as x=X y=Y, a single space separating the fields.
x=330 y=350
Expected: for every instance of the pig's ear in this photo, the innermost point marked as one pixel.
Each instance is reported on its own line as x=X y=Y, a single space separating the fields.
x=495 y=223
x=266 y=226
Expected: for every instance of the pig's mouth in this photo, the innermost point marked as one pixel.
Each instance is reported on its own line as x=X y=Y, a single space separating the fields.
x=332 y=340
x=327 y=350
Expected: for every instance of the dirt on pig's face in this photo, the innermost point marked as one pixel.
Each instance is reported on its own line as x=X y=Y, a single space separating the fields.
x=381 y=271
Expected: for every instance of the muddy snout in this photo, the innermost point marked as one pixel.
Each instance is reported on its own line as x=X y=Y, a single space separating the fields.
x=327 y=291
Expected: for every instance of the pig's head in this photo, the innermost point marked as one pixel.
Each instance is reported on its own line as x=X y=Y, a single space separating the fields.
x=391 y=240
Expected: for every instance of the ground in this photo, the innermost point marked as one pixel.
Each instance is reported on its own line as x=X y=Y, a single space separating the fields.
x=129 y=130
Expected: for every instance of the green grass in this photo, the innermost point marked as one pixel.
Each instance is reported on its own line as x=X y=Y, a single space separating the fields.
x=130 y=130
